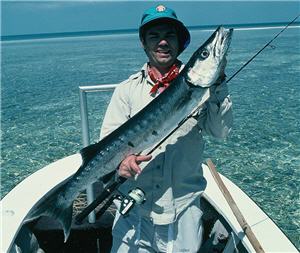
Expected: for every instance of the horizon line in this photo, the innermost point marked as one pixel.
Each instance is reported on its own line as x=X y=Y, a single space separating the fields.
x=135 y=30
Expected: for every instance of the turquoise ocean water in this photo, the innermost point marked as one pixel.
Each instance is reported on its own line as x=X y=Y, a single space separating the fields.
x=40 y=116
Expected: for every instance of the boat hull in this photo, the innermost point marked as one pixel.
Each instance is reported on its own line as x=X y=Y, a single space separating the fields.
x=24 y=197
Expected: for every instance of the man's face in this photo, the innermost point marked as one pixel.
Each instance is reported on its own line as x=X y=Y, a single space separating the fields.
x=161 y=45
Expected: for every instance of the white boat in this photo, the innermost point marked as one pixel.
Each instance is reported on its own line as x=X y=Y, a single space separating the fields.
x=221 y=228
x=18 y=202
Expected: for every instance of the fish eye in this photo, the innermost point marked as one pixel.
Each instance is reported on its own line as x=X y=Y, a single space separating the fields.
x=204 y=54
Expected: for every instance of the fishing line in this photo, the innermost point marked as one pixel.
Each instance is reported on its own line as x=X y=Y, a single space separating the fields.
x=252 y=58
x=111 y=187
x=238 y=71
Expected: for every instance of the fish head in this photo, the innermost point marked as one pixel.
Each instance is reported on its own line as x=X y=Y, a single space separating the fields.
x=207 y=63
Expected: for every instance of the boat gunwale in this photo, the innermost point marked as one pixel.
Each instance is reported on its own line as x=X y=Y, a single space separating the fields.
x=67 y=166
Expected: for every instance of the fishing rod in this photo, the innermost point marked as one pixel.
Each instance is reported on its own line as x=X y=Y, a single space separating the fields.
x=254 y=56
x=227 y=81
x=110 y=191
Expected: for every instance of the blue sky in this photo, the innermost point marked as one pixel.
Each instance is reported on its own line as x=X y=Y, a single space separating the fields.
x=33 y=17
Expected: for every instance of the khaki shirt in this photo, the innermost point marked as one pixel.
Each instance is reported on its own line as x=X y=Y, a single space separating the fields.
x=173 y=179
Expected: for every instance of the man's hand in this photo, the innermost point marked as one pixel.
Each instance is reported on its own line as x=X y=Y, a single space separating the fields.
x=129 y=167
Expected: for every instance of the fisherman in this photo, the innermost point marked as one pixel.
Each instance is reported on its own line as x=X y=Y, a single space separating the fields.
x=172 y=178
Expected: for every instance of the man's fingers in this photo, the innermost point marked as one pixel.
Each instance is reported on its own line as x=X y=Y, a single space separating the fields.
x=143 y=158
x=129 y=167
x=136 y=160
x=125 y=174
x=126 y=171
x=134 y=166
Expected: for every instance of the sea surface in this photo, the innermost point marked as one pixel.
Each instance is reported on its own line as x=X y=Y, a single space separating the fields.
x=40 y=113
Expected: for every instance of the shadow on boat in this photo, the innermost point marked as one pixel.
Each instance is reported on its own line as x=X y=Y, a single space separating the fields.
x=46 y=235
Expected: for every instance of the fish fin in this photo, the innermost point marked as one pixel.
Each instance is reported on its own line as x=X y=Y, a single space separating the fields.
x=54 y=207
x=89 y=152
x=66 y=221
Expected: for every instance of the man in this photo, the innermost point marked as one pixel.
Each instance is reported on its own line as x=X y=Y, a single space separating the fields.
x=170 y=219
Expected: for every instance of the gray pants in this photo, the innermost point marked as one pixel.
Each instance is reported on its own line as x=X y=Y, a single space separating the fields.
x=134 y=233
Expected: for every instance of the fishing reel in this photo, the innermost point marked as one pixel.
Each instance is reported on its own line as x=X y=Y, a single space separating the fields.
x=111 y=192
x=135 y=196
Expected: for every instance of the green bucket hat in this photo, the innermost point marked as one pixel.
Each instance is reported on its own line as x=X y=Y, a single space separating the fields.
x=161 y=14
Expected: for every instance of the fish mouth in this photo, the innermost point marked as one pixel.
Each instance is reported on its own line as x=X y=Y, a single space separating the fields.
x=222 y=41
x=205 y=65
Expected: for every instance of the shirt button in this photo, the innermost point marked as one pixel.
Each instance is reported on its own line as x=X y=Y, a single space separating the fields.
x=158 y=167
x=157 y=186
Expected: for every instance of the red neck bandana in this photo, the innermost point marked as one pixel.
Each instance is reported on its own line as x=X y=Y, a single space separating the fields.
x=162 y=82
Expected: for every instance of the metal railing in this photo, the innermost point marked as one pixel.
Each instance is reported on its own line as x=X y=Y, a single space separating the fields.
x=83 y=91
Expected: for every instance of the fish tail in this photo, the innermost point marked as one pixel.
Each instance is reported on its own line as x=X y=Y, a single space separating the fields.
x=54 y=207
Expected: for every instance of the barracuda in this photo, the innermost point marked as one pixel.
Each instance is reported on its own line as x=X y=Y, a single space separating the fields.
x=189 y=90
